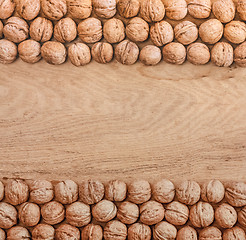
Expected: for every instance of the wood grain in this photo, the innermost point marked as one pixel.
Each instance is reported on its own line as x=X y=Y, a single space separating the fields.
x=113 y=121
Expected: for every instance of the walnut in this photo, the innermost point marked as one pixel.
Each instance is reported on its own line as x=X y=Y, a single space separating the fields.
x=150 y=55
x=128 y=8
x=240 y=60
x=226 y=216
x=2 y=234
x=8 y=216
x=128 y=212
x=92 y=232
x=1 y=29
x=235 y=32
x=236 y=191
x=79 y=9
x=222 y=56
x=198 y=53
x=139 y=231
x=199 y=8
x=163 y=191
x=241 y=9
x=7 y=8
x=104 y=8
x=115 y=190
x=43 y=232
x=224 y=10
x=28 y=9
x=8 y=53
x=17 y=233
x=54 y=9
x=234 y=234
x=175 y=9
x=163 y=231
x=104 y=211
x=29 y=214
x=187 y=233
x=214 y=191
x=67 y=232
x=242 y=217
x=67 y=191
x=174 y=53
x=115 y=230
x=210 y=233
x=103 y=53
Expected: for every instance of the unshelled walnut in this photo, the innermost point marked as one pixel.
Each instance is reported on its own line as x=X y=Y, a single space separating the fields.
x=2 y=234
x=103 y=53
x=199 y=8
x=174 y=53
x=65 y=30
x=235 y=32
x=115 y=190
x=240 y=60
x=211 y=31
x=67 y=232
x=28 y=9
x=91 y=191
x=186 y=32
x=128 y=212
x=224 y=10
x=78 y=214
x=1 y=29
x=139 y=191
x=242 y=217
x=235 y=193
x=114 y=30
x=152 y=10
x=79 y=9
x=8 y=52
x=16 y=191
x=137 y=30
x=8 y=216
x=198 y=53
x=104 y=8
x=175 y=9
x=16 y=30
x=150 y=55
x=161 y=33
x=53 y=212
x=7 y=8
x=29 y=214
x=17 y=233
x=126 y=52
x=213 y=191
x=139 y=231
x=104 y=211
x=234 y=233
x=66 y=192
x=54 y=9
x=90 y=30
x=187 y=233
x=226 y=216
x=128 y=8
x=115 y=230
x=241 y=9
x=92 y=232
x=163 y=191
x=30 y=51
x=222 y=56
x=54 y=53
x=43 y=232
x=210 y=233
x=164 y=230
x=177 y=213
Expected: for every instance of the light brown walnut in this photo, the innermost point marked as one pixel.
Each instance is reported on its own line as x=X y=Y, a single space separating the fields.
x=163 y=191
x=198 y=53
x=225 y=216
x=175 y=9
x=29 y=214
x=2 y=234
x=79 y=9
x=8 y=53
x=66 y=192
x=128 y=212
x=128 y=8
x=213 y=191
x=234 y=233
x=233 y=193
x=164 y=231
x=104 y=8
x=235 y=32
x=17 y=233
x=199 y=8
x=174 y=53
x=221 y=56
x=92 y=232
x=67 y=232
x=150 y=55
x=28 y=9
x=139 y=231
x=242 y=217
x=115 y=190
x=43 y=232
x=241 y=9
x=79 y=54
x=187 y=233
x=8 y=216
x=210 y=233
x=54 y=9
x=115 y=230
x=103 y=53
x=224 y=10
x=7 y=8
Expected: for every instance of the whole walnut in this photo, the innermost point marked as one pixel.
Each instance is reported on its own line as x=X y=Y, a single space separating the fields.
x=7 y=8
x=8 y=216
x=235 y=32
x=235 y=193
x=114 y=30
x=79 y=9
x=115 y=190
x=66 y=192
x=210 y=233
x=242 y=217
x=128 y=212
x=152 y=10
x=198 y=53
x=115 y=230
x=41 y=191
x=187 y=233
x=29 y=51
x=103 y=53
x=65 y=30
x=128 y=8
x=137 y=30
x=104 y=211
x=224 y=10
x=16 y=191
x=161 y=33
x=186 y=32
x=175 y=53
x=28 y=9
x=91 y=191
x=53 y=212
x=92 y=232
x=139 y=231
x=67 y=232
x=199 y=8
x=53 y=53
x=241 y=9
x=54 y=9
x=90 y=30
x=104 y=8
x=139 y=191
x=163 y=191
x=43 y=232
x=211 y=31
x=29 y=214
x=175 y=9
x=16 y=29
x=2 y=234
x=164 y=231
x=222 y=56
x=41 y=29
x=8 y=52
x=126 y=52
x=17 y=233
x=234 y=233
x=150 y=55
x=1 y=29
x=177 y=213
x=225 y=216
x=240 y=60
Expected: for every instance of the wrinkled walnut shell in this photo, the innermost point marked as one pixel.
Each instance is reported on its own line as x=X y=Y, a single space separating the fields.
x=129 y=8
x=104 y=211
x=8 y=53
x=43 y=232
x=7 y=8
x=8 y=216
x=115 y=190
x=115 y=230
x=221 y=56
x=198 y=54
x=92 y=232
x=103 y=53
x=224 y=10
x=79 y=9
x=54 y=9
x=199 y=8
x=67 y=191
x=104 y=8
x=150 y=55
x=128 y=212
x=152 y=10
x=174 y=53
x=28 y=9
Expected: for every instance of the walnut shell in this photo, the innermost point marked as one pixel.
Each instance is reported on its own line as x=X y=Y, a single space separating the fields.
x=222 y=56
x=224 y=10
x=235 y=32
x=7 y=8
x=114 y=30
x=187 y=233
x=234 y=234
x=104 y=211
x=67 y=232
x=90 y=30
x=139 y=231
x=242 y=217
x=17 y=233
x=43 y=232
x=1 y=29
x=54 y=9
x=16 y=30
x=8 y=54
x=199 y=8
x=174 y=53
x=175 y=9
x=226 y=216
x=163 y=191
x=79 y=9
x=128 y=212
x=92 y=232
x=28 y=9
x=210 y=233
x=103 y=53
x=104 y=8
x=241 y=9
x=115 y=230
x=8 y=216
x=164 y=230
x=214 y=191
x=115 y=190
x=150 y=55
x=2 y=234
x=235 y=193
x=67 y=191
x=128 y=8
x=198 y=54
x=29 y=214
x=240 y=60
x=137 y=30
